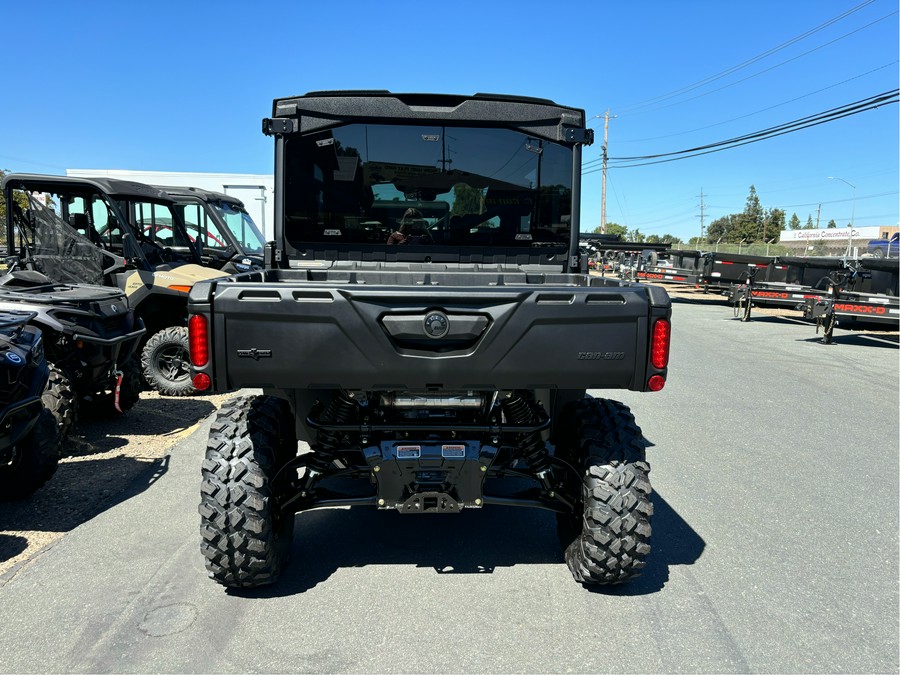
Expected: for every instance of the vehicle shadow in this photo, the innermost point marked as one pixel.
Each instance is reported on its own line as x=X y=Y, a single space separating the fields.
x=699 y=299
x=11 y=545
x=159 y=417
x=466 y=543
x=87 y=487
x=859 y=340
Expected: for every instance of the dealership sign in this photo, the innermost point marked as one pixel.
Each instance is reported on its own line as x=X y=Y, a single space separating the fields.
x=832 y=233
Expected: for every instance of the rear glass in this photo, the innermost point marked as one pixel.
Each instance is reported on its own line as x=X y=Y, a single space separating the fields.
x=402 y=185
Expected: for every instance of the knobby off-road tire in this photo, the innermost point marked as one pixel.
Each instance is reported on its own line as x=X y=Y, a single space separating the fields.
x=608 y=539
x=103 y=404
x=166 y=362
x=35 y=460
x=245 y=538
x=60 y=399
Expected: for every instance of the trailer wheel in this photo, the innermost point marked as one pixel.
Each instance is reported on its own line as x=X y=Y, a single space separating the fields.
x=607 y=539
x=245 y=537
x=34 y=460
x=59 y=398
x=166 y=363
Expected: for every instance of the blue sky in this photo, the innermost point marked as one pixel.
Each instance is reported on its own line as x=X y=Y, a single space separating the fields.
x=167 y=86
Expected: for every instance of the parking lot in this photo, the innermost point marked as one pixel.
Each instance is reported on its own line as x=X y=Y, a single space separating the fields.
x=775 y=469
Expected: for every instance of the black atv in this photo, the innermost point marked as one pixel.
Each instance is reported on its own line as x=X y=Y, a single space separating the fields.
x=90 y=336
x=29 y=444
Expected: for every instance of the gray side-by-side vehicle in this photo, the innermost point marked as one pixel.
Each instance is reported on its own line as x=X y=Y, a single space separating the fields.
x=424 y=321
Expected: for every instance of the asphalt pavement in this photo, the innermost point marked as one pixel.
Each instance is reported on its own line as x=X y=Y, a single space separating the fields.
x=775 y=549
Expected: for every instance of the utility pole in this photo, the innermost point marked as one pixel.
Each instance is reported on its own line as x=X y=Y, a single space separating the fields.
x=702 y=214
x=603 y=186
x=818 y=213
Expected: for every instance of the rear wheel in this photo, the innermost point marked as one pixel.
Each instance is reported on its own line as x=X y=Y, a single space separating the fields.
x=166 y=362
x=245 y=537
x=59 y=398
x=607 y=539
x=34 y=460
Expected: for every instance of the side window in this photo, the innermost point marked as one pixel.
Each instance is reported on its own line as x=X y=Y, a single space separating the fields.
x=76 y=214
x=106 y=225
x=157 y=223
x=193 y=220
x=200 y=228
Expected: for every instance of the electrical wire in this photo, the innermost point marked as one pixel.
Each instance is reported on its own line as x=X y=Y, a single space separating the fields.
x=807 y=122
x=762 y=72
x=748 y=62
x=757 y=112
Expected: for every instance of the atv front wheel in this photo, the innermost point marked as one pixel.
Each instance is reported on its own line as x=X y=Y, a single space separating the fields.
x=103 y=404
x=34 y=460
x=60 y=399
x=608 y=536
x=166 y=362
x=245 y=537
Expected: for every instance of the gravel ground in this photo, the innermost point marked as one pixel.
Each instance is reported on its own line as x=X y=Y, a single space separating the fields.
x=104 y=461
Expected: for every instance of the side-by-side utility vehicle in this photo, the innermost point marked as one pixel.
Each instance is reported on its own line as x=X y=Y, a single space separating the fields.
x=435 y=357
x=228 y=238
x=141 y=247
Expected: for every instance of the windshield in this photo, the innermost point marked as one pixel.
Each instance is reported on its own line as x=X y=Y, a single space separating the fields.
x=425 y=185
x=241 y=225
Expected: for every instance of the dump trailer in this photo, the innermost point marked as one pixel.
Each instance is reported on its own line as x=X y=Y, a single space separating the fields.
x=852 y=298
x=787 y=283
x=426 y=359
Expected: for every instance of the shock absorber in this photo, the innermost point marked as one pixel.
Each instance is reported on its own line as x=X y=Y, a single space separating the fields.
x=341 y=410
x=520 y=410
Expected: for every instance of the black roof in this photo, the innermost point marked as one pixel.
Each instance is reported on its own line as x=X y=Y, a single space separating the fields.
x=178 y=191
x=325 y=109
x=114 y=187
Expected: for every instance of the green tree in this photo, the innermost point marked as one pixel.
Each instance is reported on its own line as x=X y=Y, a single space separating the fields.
x=809 y=223
x=466 y=200
x=635 y=235
x=614 y=228
x=795 y=222
x=831 y=224
x=773 y=225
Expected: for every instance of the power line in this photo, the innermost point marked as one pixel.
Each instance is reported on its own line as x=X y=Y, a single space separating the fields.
x=770 y=68
x=771 y=107
x=840 y=112
x=744 y=64
x=838 y=201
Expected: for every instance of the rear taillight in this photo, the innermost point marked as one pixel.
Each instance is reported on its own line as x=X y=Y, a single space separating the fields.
x=656 y=383
x=198 y=340
x=201 y=382
x=659 y=343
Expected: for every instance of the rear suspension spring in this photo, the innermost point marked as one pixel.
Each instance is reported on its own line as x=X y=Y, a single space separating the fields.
x=521 y=410
x=341 y=410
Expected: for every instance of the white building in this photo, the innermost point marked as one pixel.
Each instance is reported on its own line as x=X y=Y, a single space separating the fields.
x=254 y=189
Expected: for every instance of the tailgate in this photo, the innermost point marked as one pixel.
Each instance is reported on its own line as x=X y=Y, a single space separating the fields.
x=286 y=336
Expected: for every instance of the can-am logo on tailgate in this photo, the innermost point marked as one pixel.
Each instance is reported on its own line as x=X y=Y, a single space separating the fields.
x=601 y=356
x=436 y=325
x=254 y=353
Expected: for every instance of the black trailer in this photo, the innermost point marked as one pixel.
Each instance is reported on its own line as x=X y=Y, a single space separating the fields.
x=689 y=268
x=788 y=283
x=725 y=270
